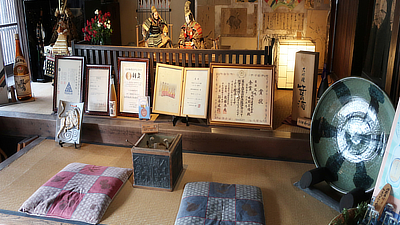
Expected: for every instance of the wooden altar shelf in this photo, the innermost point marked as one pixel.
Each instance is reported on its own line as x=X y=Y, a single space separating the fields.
x=197 y=137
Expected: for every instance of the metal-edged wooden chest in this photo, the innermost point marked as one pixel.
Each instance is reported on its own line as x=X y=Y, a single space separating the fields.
x=157 y=161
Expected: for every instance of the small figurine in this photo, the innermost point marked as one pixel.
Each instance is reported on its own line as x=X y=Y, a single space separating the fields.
x=61 y=45
x=64 y=18
x=155 y=31
x=191 y=35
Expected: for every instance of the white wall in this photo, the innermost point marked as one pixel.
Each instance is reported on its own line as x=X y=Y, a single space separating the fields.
x=177 y=18
x=128 y=21
x=127 y=9
x=240 y=43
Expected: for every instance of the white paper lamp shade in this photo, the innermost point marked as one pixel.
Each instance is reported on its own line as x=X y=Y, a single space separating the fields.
x=286 y=55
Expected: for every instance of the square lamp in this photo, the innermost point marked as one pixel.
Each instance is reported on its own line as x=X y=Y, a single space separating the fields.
x=286 y=55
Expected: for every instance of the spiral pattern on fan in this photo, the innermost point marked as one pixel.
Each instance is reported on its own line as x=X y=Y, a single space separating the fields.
x=70 y=136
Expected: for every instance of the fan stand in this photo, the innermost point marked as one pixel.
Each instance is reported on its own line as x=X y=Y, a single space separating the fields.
x=312 y=177
x=183 y=119
x=61 y=143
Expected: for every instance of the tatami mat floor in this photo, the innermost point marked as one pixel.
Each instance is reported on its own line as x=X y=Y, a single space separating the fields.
x=284 y=203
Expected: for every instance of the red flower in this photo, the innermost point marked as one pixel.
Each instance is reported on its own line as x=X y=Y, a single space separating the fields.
x=97 y=29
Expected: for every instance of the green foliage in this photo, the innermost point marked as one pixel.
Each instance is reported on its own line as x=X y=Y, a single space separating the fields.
x=361 y=209
x=354 y=217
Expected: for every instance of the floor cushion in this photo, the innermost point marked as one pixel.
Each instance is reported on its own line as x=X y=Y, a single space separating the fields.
x=79 y=192
x=216 y=203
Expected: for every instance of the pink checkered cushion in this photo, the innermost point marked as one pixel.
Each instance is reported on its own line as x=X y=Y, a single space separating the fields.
x=79 y=192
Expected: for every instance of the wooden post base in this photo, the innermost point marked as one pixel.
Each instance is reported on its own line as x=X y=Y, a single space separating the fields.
x=315 y=176
x=353 y=198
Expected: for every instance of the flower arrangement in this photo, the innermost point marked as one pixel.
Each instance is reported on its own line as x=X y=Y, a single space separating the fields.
x=98 y=29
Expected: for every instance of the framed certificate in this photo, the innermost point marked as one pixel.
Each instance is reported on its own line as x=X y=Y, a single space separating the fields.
x=241 y=95
x=168 y=89
x=68 y=79
x=195 y=92
x=97 y=89
x=132 y=82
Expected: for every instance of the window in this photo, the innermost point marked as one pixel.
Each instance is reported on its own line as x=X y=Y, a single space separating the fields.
x=8 y=27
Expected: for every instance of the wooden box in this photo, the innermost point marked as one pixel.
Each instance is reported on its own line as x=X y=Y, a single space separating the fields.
x=305 y=84
x=157 y=161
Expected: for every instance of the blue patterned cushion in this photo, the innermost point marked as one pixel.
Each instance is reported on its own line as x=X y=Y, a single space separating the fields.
x=215 y=203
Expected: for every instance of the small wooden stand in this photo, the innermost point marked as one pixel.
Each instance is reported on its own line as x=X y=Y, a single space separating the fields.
x=354 y=197
x=317 y=175
x=61 y=143
x=183 y=119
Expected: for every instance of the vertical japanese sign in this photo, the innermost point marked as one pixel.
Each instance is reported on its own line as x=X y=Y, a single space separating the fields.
x=304 y=87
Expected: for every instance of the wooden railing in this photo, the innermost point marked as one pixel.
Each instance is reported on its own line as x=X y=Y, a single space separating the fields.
x=108 y=55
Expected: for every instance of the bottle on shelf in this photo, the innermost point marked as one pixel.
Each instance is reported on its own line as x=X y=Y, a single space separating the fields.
x=113 y=100
x=22 y=76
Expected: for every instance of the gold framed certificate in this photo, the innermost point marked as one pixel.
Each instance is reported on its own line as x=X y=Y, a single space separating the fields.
x=97 y=89
x=168 y=89
x=68 y=79
x=241 y=95
x=132 y=82
x=195 y=92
